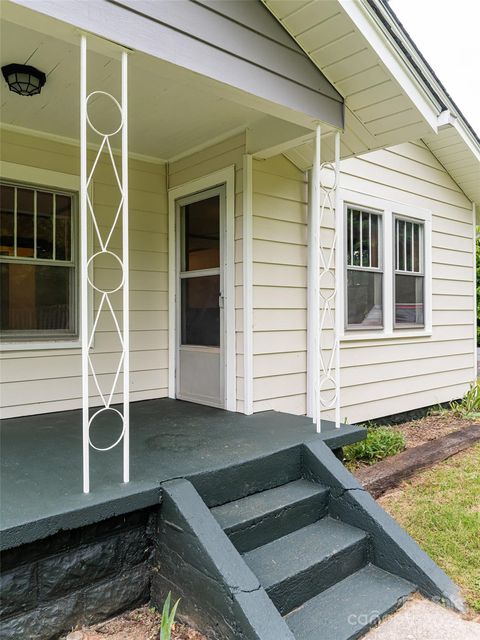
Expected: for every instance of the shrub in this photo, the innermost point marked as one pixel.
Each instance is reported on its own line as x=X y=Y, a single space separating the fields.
x=381 y=442
x=469 y=406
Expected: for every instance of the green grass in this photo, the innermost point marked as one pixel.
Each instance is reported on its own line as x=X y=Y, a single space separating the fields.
x=380 y=443
x=440 y=509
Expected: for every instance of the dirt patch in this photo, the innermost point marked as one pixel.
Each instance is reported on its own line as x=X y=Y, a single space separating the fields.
x=140 y=624
x=431 y=427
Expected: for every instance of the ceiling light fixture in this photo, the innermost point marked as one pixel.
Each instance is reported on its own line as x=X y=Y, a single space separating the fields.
x=23 y=79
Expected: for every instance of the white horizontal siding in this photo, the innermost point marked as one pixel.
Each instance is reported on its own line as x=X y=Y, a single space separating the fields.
x=380 y=376
x=384 y=377
x=279 y=286
x=50 y=380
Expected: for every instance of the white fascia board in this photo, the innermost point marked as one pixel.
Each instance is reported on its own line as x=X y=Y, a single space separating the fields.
x=370 y=27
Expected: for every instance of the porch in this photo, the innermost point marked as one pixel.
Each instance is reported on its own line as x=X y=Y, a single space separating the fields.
x=41 y=482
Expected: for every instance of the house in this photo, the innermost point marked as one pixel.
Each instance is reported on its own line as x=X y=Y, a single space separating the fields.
x=253 y=207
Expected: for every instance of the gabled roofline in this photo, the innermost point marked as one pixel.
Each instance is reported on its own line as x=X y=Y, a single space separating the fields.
x=424 y=73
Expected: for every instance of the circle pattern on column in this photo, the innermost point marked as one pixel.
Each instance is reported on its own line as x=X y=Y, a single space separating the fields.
x=106 y=134
x=92 y=418
x=104 y=253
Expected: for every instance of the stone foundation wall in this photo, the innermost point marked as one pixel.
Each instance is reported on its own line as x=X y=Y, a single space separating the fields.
x=54 y=585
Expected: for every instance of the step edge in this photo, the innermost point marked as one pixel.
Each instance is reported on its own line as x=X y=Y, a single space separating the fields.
x=273 y=512
x=319 y=489
x=362 y=535
x=363 y=541
x=409 y=589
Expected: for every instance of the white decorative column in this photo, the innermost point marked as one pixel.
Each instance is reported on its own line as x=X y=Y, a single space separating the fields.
x=89 y=286
x=327 y=284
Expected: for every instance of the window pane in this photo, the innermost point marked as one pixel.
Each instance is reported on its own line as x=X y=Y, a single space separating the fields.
x=356 y=249
x=364 y=298
x=201 y=234
x=7 y=195
x=409 y=300
x=409 y=245
x=349 y=238
x=25 y=223
x=44 y=225
x=35 y=298
x=63 y=227
x=416 y=248
x=366 y=240
x=200 y=311
x=375 y=246
x=400 y=244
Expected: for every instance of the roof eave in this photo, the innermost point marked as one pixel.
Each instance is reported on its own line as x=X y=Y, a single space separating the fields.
x=422 y=71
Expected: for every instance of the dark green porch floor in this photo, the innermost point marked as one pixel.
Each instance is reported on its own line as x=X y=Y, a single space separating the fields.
x=41 y=483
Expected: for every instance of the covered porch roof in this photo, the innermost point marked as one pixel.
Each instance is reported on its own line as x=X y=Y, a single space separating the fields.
x=175 y=105
x=41 y=480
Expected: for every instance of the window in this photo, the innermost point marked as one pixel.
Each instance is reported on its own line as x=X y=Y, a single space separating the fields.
x=37 y=263
x=409 y=273
x=386 y=255
x=364 y=269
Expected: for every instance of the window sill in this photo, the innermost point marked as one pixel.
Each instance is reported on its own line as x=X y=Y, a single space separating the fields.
x=382 y=335
x=46 y=345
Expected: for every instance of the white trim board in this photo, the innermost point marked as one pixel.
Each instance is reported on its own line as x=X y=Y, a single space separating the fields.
x=247 y=285
x=42 y=177
x=224 y=176
x=74 y=142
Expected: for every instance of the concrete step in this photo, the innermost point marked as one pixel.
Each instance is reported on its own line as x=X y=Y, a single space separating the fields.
x=300 y=565
x=349 y=608
x=262 y=517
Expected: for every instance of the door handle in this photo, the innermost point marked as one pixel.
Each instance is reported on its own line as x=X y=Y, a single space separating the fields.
x=221 y=301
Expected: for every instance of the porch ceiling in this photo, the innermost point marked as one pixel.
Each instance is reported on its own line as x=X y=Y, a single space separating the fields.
x=172 y=111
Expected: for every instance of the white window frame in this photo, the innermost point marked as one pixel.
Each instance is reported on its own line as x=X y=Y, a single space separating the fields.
x=389 y=209
x=37 y=178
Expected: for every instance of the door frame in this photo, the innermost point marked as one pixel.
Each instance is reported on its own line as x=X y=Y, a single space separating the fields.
x=225 y=177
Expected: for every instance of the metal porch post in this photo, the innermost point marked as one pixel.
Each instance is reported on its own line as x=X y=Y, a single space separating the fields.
x=89 y=286
x=327 y=271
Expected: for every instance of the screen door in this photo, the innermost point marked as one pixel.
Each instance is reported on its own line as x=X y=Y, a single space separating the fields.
x=200 y=322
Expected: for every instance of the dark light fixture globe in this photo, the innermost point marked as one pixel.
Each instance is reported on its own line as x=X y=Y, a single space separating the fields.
x=23 y=79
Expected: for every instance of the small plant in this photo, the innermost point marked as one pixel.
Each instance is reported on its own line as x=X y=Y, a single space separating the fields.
x=381 y=442
x=469 y=406
x=168 y=618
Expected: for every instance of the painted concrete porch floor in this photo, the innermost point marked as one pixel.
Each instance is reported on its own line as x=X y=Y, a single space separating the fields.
x=41 y=481
x=424 y=620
